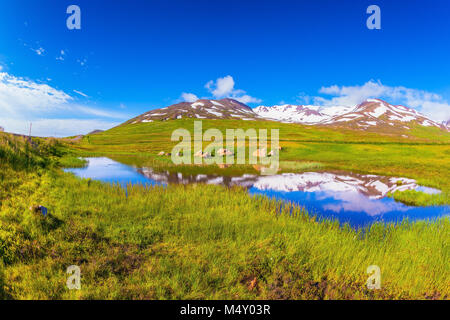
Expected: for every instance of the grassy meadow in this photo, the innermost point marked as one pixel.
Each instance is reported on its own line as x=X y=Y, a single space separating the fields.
x=424 y=155
x=210 y=242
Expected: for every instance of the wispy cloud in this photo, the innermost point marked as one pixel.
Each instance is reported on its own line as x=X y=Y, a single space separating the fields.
x=56 y=127
x=23 y=101
x=81 y=93
x=99 y=112
x=36 y=47
x=39 y=51
x=19 y=96
x=82 y=62
x=61 y=56
x=429 y=103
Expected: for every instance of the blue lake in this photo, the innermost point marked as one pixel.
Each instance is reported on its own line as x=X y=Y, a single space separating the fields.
x=356 y=199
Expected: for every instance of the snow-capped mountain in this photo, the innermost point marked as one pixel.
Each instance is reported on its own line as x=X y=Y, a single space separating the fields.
x=370 y=113
x=300 y=114
x=447 y=124
x=200 y=109
x=375 y=112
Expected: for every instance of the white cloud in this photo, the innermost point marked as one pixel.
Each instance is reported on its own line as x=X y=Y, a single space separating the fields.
x=1 y=68
x=436 y=110
x=19 y=96
x=189 y=97
x=352 y=95
x=247 y=99
x=23 y=101
x=224 y=88
x=82 y=62
x=429 y=103
x=61 y=56
x=55 y=127
x=221 y=87
x=39 y=51
x=81 y=93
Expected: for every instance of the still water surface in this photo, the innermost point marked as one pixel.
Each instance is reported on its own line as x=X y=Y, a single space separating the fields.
x=356 y=199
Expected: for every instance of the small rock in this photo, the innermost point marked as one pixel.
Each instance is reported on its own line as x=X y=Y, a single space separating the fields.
x=253 y=284
x=259 y=153
x=202 y=154
x=36 y=209
x=224 y=152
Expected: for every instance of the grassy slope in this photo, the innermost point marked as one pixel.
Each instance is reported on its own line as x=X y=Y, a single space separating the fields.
x=195 y=242
x=424 y=156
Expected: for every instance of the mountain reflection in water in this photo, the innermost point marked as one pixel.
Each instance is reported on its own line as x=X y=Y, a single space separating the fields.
x=351 y=198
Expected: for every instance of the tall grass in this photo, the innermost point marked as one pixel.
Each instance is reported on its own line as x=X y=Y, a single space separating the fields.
x=196 y=242
x=203 y=242
x=19 y=152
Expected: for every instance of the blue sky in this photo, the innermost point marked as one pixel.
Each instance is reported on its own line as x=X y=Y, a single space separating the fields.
x=133 y=56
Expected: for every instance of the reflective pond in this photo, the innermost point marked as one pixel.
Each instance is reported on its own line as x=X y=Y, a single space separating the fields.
x=356 y=199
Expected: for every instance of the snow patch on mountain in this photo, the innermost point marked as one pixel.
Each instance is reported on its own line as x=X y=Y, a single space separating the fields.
x=370 y=113
x=300 y=114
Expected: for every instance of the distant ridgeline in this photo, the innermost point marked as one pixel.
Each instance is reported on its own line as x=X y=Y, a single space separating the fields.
x=370 y=115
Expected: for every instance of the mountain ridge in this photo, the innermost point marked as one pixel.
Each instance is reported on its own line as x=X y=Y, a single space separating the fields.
x=447 y=124
x=371 y=114
x=200 y=109
x=367 y=114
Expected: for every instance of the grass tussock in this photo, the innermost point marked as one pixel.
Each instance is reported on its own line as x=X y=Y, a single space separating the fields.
x=298 y=166
x=416 y=198
x=70 y=161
